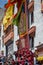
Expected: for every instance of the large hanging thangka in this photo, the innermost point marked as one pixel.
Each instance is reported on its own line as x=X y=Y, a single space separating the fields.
x=22 y=24
x=22 y=21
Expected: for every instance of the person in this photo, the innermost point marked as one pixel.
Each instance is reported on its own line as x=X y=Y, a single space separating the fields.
x=10 y=59
x=26 y=62
x=34 y=60
x=0 y=59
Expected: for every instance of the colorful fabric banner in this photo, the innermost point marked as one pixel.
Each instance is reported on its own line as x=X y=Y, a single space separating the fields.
x=17 y=17
x=6 y=20
x=22 y=23
x=9 y=12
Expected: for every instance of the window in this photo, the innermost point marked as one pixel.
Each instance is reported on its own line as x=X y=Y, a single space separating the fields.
x=41 y=0
x=29 y=23
x=30 y=1
x=0 y=31
x=23 y=8
x=31 y=42
x=32 y=18
x=2 y=41
x=0 y=44
x=10 y=48
x=18 y=45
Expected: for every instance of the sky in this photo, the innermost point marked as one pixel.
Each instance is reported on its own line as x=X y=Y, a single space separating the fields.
x=2 y=3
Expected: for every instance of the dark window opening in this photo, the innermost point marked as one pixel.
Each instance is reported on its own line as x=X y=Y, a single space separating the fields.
x=23 y=8
x=41 y=1
x=32 y=17
x=9 y=47
x=31 y=42
x=18 y=46
x=0 y=30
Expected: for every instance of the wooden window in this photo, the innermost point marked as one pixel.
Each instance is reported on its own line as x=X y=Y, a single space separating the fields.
x=23 y=8
x=10 y=48
x=31 y=42
x=0 y=44
x=18 y=45
x=32 y=17
x=41 y=1
x=30 y=0
x=0 y=31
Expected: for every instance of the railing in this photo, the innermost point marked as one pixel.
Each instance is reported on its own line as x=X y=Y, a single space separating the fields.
x=8 y=36
x=31 y=6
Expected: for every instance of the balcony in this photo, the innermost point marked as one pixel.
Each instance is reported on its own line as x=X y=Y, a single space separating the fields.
x=8 y=36
x=31 y=6
x=30 y=32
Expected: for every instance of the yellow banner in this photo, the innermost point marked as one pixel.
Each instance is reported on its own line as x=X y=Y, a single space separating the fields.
x=6 y=20
x=9 y=12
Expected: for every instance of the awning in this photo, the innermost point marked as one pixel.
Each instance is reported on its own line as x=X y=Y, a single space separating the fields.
x=40 y=58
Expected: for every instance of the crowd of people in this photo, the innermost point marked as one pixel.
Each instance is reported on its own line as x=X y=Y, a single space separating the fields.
x=10 y=61
x=6 y=60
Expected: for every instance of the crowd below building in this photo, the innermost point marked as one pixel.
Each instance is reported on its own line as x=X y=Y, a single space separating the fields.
x=9 y=60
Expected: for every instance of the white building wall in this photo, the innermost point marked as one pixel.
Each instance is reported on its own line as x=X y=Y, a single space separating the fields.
x=2 y=43
x=1 y=17
x=38 y=22
x=16 y=36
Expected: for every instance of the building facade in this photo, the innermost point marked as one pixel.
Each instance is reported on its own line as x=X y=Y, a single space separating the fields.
x=23 y=27
x=8 y=31
x=38 y=22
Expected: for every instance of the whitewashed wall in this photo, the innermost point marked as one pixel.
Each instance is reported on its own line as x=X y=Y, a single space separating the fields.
x=1 y=17
x=38 y=22
x=2 y=43
x=16 y=36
